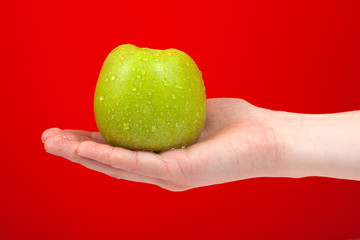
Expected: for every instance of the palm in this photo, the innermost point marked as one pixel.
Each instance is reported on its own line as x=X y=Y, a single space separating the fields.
x=235 y=143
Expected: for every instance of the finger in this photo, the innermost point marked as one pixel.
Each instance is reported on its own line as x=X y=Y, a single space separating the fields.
x=66 y=148
x=48 y=133
x=92 y=135
x=141 y=162
x=69 y=135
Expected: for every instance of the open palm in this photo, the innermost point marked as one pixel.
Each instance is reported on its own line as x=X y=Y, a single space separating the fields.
x=237 y=142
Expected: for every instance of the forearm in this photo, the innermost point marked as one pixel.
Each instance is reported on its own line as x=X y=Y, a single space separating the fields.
x=320 y=144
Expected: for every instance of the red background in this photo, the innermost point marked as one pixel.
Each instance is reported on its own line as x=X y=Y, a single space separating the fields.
x=298 y=56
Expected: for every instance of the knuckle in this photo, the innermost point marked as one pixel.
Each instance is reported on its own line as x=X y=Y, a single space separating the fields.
x=110 y=155
x=134 y=165
x=165 y=171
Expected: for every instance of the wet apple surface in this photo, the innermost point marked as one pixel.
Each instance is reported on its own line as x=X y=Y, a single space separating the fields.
x=148 y=99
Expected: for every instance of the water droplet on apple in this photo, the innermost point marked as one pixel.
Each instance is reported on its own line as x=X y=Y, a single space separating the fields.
x=176 y=125
x=145 y=59
x=166 y=83
x=133 y=89
x=143 y=71
x=148 y=102
x=133 y=69
x=112 y=117
x=126 y=126
x=153 y=129
x=178 y=86
x=187 y=64
x=173 y=96
x=113 y=77
x=149 y=93
x=106 y=79
x=138 y=76
x=167 y=105
x=101 y=98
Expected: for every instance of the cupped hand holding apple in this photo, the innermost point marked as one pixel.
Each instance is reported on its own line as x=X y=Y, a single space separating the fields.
x=239 y=141
x=148 y=99
x=236 y=143
x=155 y=100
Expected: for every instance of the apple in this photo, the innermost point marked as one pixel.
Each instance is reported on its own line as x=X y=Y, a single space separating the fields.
x=149 y=99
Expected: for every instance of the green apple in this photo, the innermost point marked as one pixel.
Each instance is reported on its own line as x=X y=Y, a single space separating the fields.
x=148 y=99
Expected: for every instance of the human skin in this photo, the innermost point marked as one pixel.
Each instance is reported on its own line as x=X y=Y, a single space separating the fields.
x=239 y=141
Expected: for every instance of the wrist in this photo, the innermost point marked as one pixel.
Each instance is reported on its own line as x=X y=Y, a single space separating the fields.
x=319 y=144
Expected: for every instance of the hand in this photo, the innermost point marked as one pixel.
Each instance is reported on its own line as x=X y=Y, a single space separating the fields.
x=237 y=143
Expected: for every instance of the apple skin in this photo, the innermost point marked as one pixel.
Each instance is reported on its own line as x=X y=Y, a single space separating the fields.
x=148 y=99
